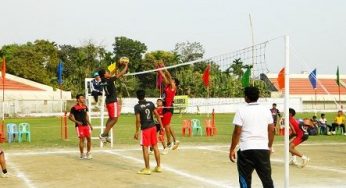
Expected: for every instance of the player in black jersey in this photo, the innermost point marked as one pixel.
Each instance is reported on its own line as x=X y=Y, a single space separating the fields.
x=144 y=112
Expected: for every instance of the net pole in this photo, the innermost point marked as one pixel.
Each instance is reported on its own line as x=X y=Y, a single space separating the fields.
x=287 y=91
x=252 y=49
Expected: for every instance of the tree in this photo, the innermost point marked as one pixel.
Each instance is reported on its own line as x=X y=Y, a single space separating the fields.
x=130 y=48
x=189 y=51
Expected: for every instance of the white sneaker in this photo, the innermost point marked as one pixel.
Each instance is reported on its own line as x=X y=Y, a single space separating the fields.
x=305 y=161
x=88 y=156
x=4 y=175
x=103 y=139
x=329 y=133
x=164 y=151
x=82 y=156
x=151 y=152
x=293 y=160
x=344 y=134
x=175 y=146
x=333 y=132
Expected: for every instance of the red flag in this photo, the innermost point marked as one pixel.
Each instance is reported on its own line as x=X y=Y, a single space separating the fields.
x=206 y=76
x=281 y=78
x=3 y=71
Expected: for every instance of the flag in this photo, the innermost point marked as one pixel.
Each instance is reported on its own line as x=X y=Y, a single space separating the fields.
x=206 y=76
x=60 y=71
x=337 y=76
x=245 y=79
x=281 y=78
x=313 y=79
x=3 y=71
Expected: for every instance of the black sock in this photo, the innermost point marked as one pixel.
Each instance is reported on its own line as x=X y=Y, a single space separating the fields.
x=4 y=171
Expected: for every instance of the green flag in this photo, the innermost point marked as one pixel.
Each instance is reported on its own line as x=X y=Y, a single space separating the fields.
x=245 y=80
x=337 y=77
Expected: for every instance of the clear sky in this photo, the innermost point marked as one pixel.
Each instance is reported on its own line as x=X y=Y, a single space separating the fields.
x=317 y=28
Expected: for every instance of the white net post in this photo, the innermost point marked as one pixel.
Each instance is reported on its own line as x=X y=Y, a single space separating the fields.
x=287 y=102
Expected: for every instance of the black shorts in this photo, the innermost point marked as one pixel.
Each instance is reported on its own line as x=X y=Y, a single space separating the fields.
x=158 y=127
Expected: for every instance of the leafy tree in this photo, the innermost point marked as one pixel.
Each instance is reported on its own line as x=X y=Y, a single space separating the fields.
x=189 y=51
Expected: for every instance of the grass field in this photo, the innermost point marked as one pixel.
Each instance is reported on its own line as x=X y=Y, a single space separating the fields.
x=49 y=161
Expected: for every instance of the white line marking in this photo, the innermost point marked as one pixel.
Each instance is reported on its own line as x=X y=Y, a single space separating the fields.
x=19 y=173
x=282 y=161
x=170 y=169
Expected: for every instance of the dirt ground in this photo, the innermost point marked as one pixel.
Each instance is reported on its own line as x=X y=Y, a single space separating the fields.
x=189 y=166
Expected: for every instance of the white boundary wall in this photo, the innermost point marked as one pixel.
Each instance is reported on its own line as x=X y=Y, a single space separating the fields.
x=221 y=105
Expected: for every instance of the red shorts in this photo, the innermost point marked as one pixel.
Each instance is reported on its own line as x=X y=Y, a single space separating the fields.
x=298 y=140
x=113 y=109
x=148 y=136
x=83 y=131
x=166 y=119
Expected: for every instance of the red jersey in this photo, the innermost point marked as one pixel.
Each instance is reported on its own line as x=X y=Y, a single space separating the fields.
x=160 y=111
x=296 y=127
x=169 y=96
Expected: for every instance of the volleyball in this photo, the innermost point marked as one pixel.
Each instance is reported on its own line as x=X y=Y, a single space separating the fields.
x=123 y=60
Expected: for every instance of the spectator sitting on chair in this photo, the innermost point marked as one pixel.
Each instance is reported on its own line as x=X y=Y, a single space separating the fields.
x=339 y=121
x=323 y=125
x=96 y=88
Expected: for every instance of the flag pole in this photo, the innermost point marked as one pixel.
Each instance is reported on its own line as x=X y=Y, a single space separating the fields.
x=315 y=100
x=339 y=97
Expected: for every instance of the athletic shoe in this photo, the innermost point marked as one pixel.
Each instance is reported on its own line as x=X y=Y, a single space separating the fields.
x=151 y=152
x=82 y=156
x=305 y=161
x=333 y=132
x=4 y=175
x=103 y=138
x=144 y=171
x=88 y=156
x=164 y=151
x=329 y=133
x=108 y=139
x=175 y=146
x=293 y=160
x=169 y=146
x=157 y=169
x=344 y=134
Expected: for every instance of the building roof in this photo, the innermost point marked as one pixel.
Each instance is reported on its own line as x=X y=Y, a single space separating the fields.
x=14 y=85
x=300 y=84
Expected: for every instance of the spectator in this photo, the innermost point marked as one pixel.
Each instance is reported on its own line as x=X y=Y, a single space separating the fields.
x=96 y=88
x=339 y=121
x=323 y=125
x=313 y=130
x=275 y=113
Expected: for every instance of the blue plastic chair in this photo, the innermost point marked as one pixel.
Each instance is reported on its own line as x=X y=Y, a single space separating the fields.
x=24 y=129
x=196 y=127
x=12 y=132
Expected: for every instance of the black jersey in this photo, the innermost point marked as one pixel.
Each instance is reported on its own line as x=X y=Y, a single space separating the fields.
x=80 y=114
x=145 y=109
x=109 y=89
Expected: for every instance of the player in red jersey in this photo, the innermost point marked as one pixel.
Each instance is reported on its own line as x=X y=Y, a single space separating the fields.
x=299 y=135
x=168 y=100
x=79 y=115
x=161 y=135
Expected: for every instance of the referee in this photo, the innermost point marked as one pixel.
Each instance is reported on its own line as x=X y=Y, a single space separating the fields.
x=254 y=131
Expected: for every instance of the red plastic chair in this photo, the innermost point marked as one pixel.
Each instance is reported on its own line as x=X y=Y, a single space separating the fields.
x=186 y=126
x=210 y=128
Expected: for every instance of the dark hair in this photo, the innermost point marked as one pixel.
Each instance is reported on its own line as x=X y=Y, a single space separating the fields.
x=292 y=111
x=79 y=95
x=177 y=82
x=252 y=93
x=140 y=94
x=102 y=73
x=323 y=114
x=274 y=104
x=314 y=117
x=159 y=100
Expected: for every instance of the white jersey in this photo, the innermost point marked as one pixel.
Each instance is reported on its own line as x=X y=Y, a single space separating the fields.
x=254 y=120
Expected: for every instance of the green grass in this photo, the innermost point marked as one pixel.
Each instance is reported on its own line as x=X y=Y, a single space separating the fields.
x=46 y=132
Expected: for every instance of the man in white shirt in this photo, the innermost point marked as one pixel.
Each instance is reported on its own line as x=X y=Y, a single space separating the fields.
x=254 y=129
